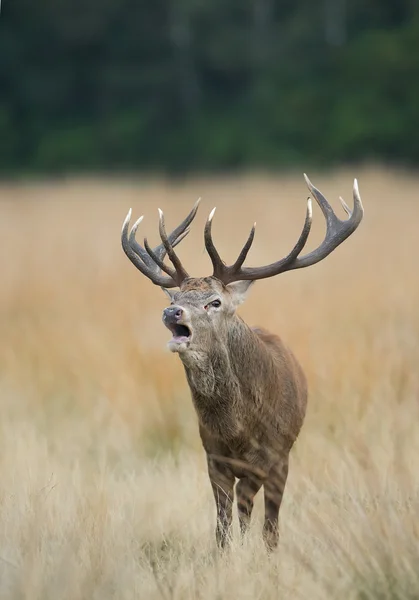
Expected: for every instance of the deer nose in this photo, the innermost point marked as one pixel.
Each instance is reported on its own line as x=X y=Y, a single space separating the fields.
x=172 y=314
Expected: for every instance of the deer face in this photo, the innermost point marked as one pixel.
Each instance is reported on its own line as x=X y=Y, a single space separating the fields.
x=200 y=311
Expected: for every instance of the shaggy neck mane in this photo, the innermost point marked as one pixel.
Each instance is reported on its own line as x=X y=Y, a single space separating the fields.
x=217 y=373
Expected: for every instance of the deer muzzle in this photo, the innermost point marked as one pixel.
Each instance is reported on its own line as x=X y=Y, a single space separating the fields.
x=174 y=318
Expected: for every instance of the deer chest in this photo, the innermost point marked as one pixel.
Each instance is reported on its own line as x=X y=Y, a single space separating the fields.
x=217 y=416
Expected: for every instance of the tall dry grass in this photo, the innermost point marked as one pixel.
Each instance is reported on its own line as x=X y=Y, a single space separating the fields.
x=104 y=492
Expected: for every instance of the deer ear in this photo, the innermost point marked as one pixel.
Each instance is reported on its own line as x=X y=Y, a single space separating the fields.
x=238 y=291
x=169 y=293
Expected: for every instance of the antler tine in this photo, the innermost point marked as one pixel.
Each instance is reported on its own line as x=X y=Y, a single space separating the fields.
x=358 y=211
x=150 y=262
x=244 y=251
x=159 y=251
x=345 y=206
x=152 y=259
x=145 y=269
x=326 y=209
x=302 y=240
x=337 y=230
x=136 y=246
x=159 y=262
x=180 y=273
x=217 y=263
x=175 y=237
x=180 y=232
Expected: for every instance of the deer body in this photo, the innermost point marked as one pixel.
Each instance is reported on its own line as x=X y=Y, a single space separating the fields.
x=248 y=390
x=252 y=372
x=250 y=396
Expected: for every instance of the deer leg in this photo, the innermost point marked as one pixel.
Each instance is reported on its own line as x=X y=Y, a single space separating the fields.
x=222 y=482
x=274 y=491
x=246 y=490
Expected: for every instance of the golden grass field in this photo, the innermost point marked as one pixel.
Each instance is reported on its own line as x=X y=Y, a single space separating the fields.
x=104 y=492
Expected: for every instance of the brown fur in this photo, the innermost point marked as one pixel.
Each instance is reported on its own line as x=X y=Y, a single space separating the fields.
x=250 y=396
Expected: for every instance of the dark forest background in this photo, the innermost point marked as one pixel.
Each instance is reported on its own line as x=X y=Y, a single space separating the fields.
x=181 y=85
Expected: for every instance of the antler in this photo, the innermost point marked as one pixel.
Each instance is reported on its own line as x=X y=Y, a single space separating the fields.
x=151 y=261
x=337 y=232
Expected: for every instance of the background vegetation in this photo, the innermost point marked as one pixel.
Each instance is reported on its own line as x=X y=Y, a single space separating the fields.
x=182 y=85
x=103 y=485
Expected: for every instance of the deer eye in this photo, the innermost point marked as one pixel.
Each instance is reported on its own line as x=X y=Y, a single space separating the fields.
x=214 y=303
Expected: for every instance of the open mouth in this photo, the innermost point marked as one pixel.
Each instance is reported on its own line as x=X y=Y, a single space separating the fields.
x=181 y=333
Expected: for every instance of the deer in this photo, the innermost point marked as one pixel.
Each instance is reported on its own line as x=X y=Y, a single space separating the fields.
x=248 y=390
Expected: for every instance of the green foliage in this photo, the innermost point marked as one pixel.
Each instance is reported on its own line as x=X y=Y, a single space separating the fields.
x=8 y=139
x=181 y=85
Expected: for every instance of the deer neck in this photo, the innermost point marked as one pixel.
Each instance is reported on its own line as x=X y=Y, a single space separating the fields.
x=217 y=375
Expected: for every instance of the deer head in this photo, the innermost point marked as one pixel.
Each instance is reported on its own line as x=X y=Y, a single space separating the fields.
x=201 y=312
x=202 y=309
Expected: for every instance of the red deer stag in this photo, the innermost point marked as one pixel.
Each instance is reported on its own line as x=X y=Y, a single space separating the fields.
x=249 y=391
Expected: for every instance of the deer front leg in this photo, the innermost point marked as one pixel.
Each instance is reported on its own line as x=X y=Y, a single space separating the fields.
x=222 y=482
x=246 y=490
x=274 y=491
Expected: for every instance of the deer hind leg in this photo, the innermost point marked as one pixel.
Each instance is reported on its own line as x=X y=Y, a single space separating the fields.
x=246 y=490
x=222 y=482
x=274 y=491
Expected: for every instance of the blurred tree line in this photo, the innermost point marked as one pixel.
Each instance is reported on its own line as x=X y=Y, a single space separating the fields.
x=206 y=84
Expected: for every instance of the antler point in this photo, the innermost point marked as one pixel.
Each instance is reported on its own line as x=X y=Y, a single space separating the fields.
x=127 y=220
x=309 y=206
x=308 y=182
x=137 y=222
